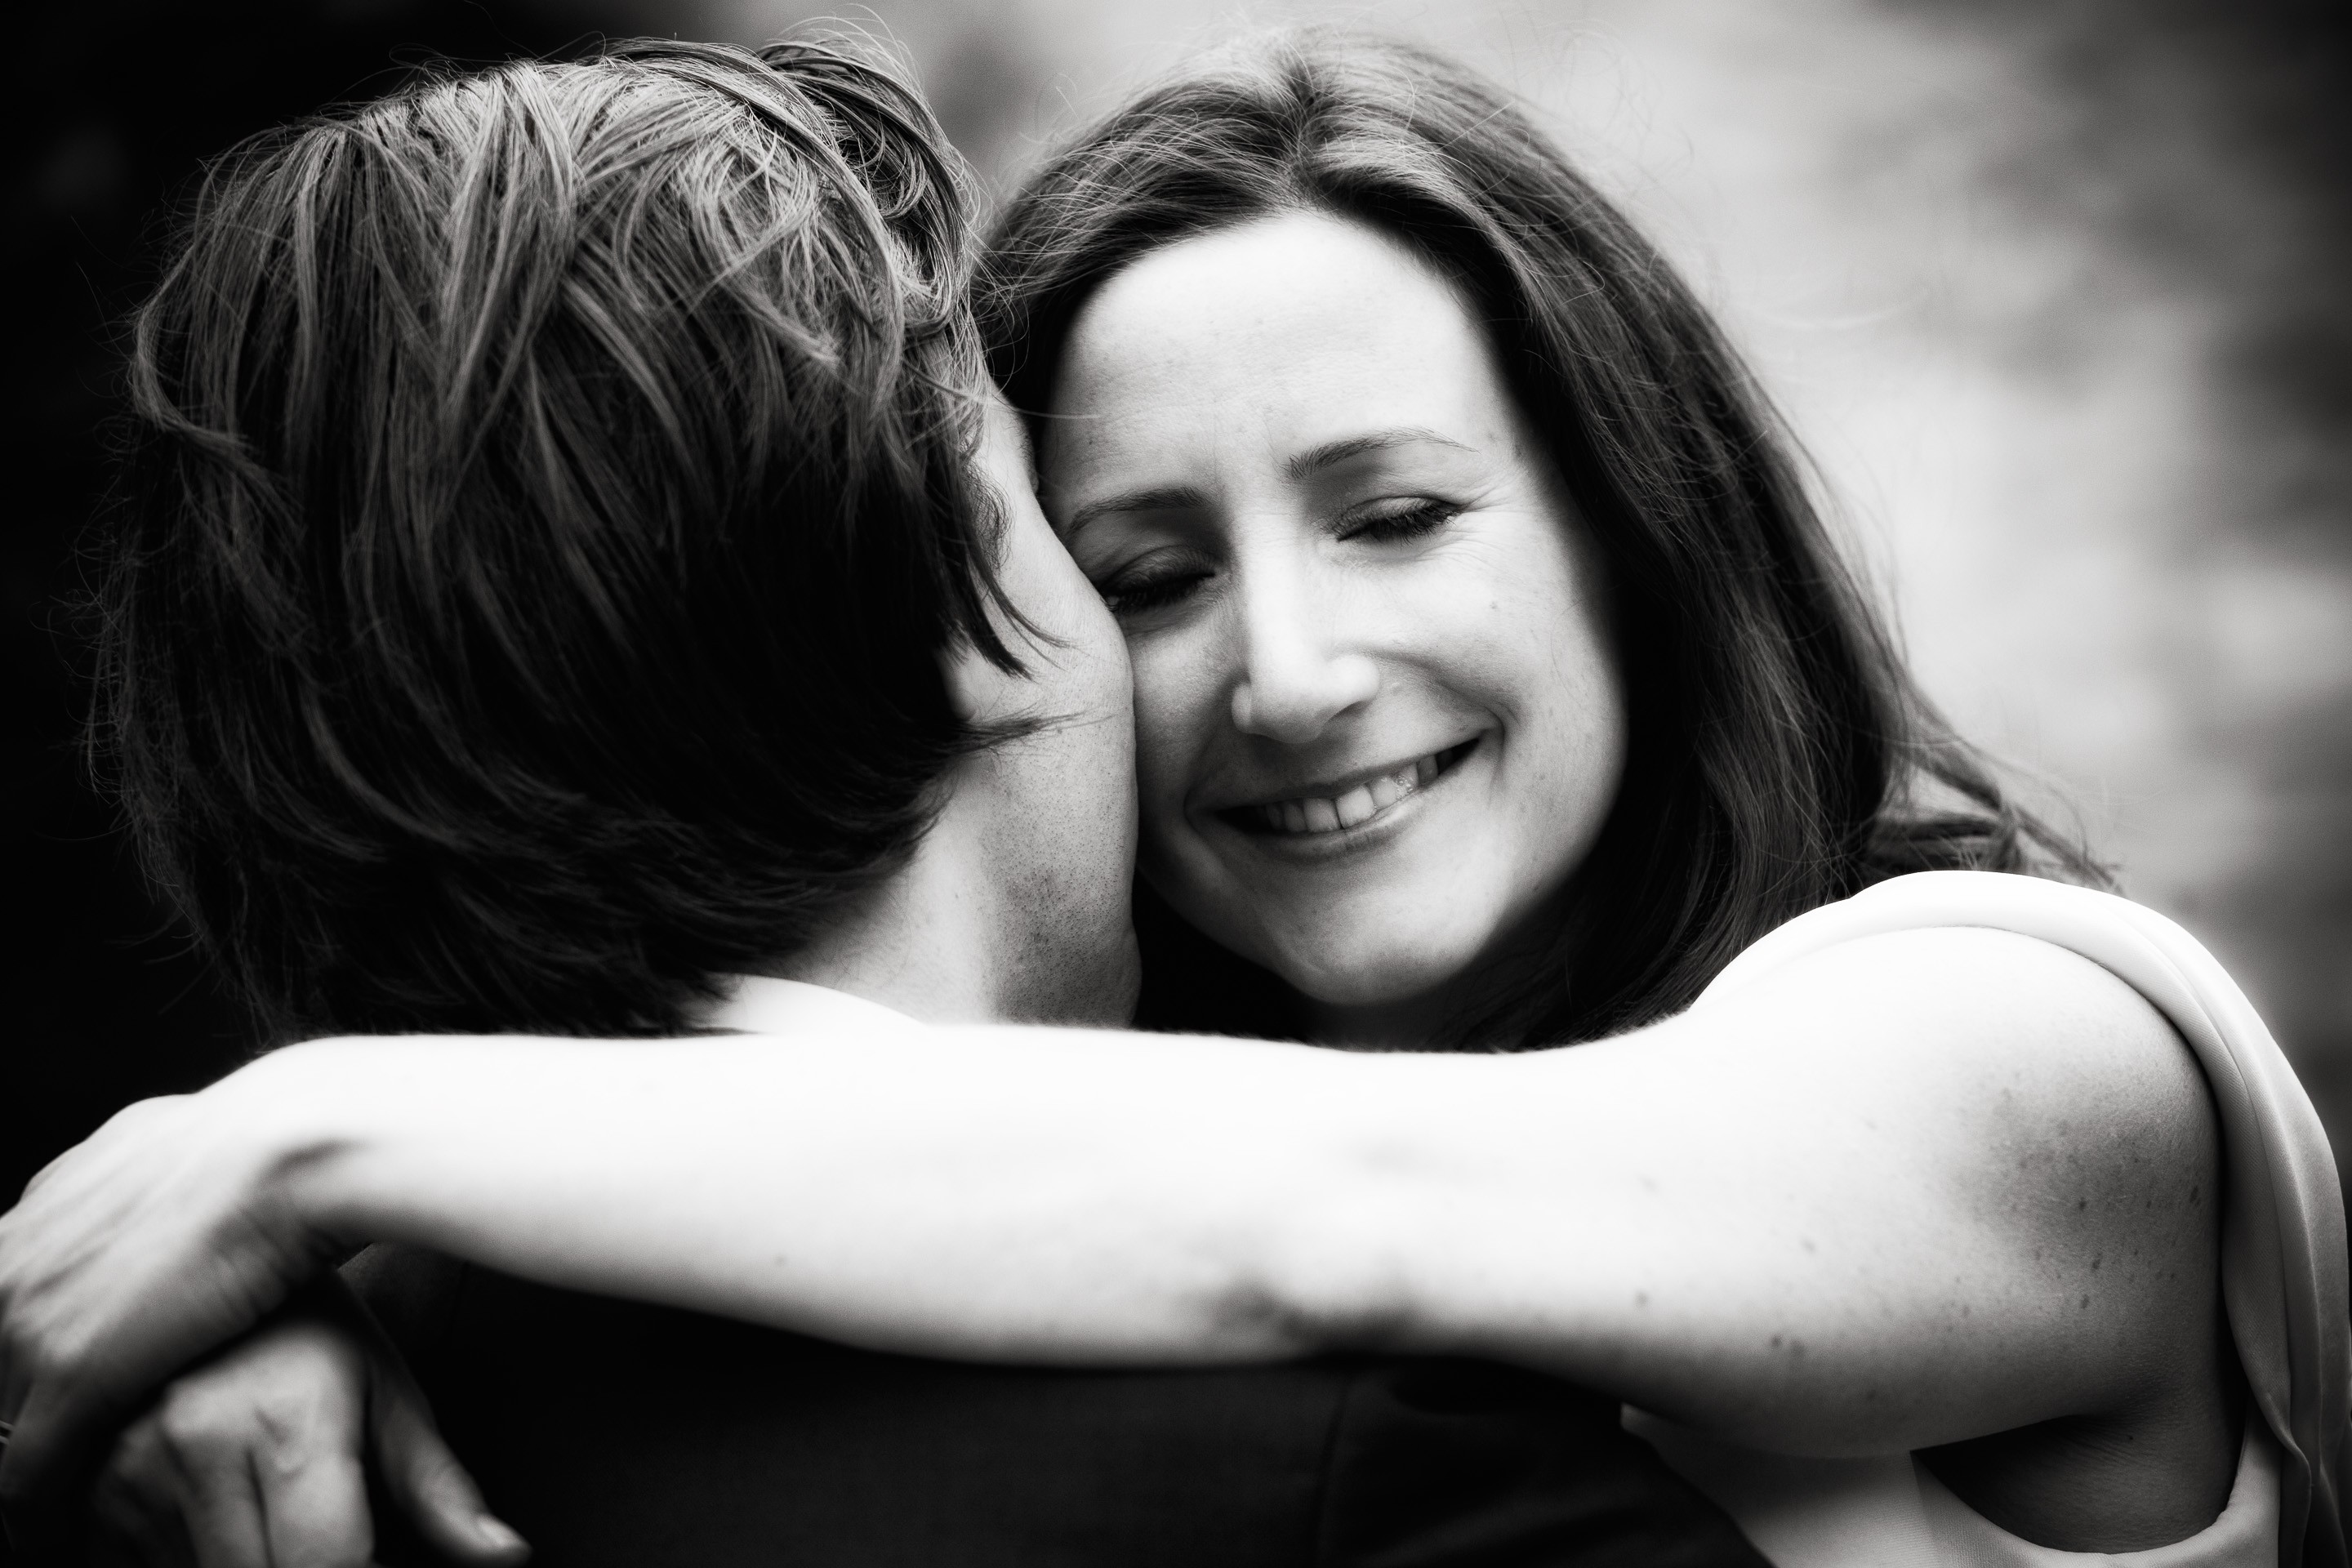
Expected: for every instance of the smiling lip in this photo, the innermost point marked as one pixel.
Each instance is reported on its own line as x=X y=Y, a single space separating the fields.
x=1311 y=815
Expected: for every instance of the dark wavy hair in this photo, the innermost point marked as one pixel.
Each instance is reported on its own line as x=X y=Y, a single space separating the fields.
x=1780 y=755
x=546 y=504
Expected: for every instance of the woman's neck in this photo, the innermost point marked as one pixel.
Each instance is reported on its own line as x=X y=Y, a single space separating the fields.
x=1415 y=1024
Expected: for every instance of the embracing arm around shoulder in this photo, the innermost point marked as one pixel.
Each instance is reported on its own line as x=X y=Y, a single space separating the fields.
x=1911 y=1189
x=1907 y=1191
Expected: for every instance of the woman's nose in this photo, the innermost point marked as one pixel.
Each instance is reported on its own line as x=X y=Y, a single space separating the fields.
x=1295 y=682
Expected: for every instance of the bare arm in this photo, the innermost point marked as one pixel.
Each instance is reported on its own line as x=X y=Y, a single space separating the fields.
x=1914 y=1189
x=1861 y=1207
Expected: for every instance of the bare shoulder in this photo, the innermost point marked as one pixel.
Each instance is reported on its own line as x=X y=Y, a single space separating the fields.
x=2058 y=1106
x=2051 y=1042
x=2094 y=1145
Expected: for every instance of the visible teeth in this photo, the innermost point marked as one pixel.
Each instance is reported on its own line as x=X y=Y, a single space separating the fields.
x=1359 y=806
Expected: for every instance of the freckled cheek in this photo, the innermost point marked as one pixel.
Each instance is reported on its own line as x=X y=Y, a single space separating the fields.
x=1569 y=759
x=1522 y=655
x=1481 y=618
x=1478 y=663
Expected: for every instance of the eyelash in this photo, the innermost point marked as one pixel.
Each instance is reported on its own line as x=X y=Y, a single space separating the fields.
x=1416 y=521
x=1145 y=591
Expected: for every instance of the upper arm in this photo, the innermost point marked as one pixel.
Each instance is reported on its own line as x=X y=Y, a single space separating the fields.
x=1907 y=1189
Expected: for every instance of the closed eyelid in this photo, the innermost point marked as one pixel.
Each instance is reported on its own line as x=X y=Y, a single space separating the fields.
x=1299 y=469
x=1118 y=553
x=1396 y=518
x=1160 y=575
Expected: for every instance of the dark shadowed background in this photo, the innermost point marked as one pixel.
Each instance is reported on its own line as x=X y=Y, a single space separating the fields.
x=2057 y=292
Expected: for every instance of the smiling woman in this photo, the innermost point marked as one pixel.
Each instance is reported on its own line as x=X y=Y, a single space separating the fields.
x=1411 y=470
x=1382 y=722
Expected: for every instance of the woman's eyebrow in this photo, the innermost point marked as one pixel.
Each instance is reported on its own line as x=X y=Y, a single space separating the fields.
x=1161 y=498
x=1332 y=453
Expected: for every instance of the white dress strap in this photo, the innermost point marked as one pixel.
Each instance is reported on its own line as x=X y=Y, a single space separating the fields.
x=2283 y=1242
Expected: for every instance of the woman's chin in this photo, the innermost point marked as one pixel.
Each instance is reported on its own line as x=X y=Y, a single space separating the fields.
x=1354 y=949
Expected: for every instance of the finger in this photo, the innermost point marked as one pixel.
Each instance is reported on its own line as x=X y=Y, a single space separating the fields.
x=314 y=1508
x=422 y=1478
x=74 y=1400
x=221 y=1506
x=267 y=1441
x=134 y=1512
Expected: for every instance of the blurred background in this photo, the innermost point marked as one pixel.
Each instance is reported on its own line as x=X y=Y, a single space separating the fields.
x=2058 y=294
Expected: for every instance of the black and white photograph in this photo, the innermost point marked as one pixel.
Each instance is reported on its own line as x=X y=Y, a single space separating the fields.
x=1075 y=784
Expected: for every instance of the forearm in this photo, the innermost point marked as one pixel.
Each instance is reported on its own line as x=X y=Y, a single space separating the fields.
x=1017 y=1194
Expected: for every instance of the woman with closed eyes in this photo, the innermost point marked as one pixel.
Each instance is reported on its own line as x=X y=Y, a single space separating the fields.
x=1503 y=716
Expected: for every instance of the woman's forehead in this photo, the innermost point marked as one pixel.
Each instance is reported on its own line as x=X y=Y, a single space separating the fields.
x=1274 y=341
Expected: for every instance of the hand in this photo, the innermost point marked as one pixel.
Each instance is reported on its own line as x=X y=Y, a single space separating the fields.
x=258 y=1459
x=163 y=1236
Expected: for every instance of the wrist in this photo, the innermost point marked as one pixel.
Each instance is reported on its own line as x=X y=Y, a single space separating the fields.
x=296 y=1117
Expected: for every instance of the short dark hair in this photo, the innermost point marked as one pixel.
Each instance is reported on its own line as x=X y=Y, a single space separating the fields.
x=548 y=504
x=1779 y=756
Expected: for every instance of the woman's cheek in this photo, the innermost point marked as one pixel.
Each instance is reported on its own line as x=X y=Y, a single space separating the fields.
x=1173 y=729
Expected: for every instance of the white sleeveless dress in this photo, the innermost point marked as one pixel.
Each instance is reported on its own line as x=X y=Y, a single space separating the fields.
x=2282 y=1262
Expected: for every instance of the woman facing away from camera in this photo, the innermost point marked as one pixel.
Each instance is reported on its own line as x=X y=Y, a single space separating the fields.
x=1496 y=691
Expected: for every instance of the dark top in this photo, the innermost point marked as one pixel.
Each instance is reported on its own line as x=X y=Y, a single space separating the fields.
x=613 y=1433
